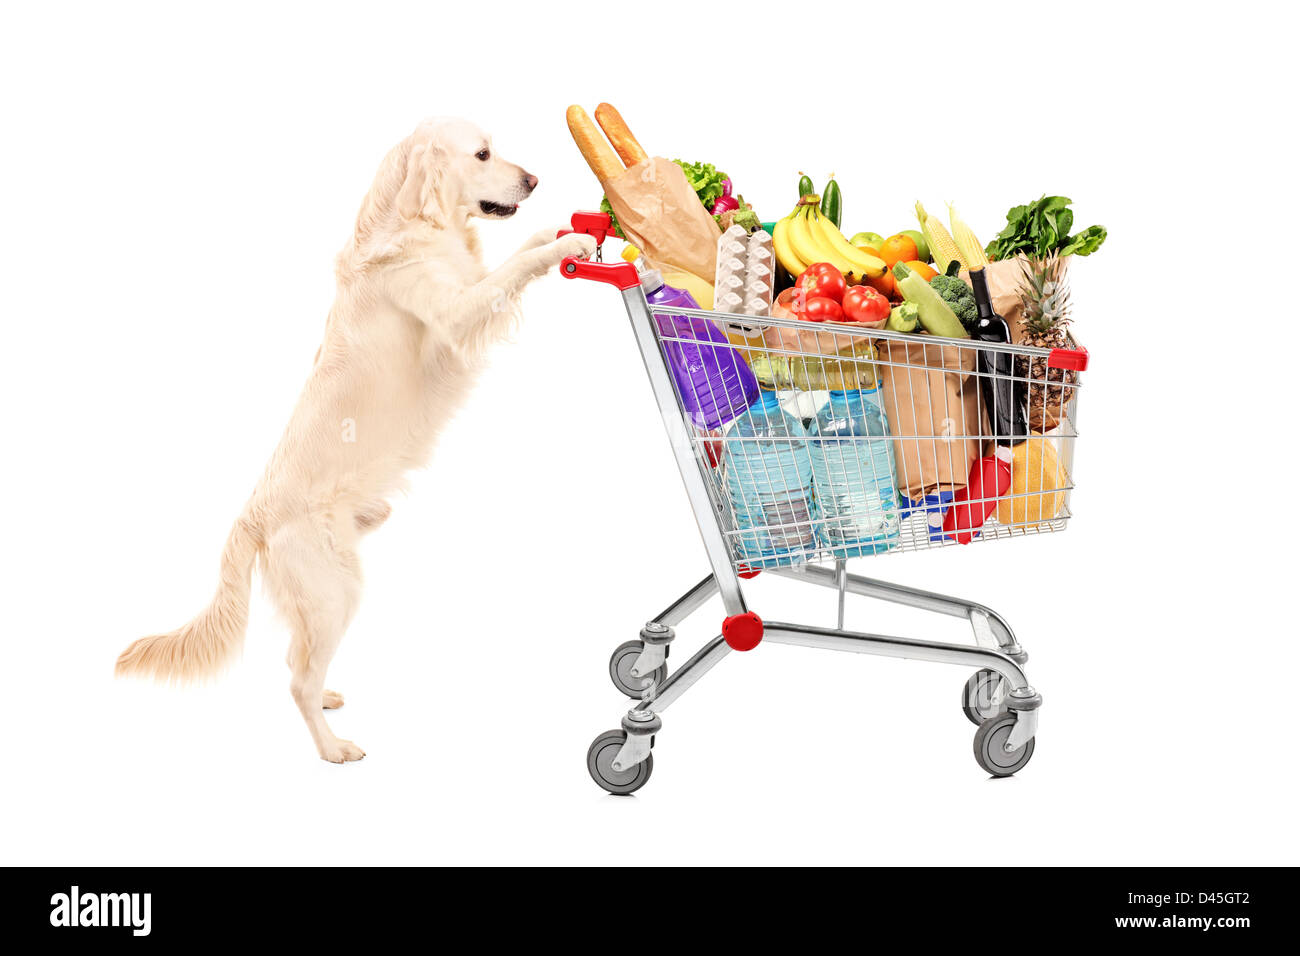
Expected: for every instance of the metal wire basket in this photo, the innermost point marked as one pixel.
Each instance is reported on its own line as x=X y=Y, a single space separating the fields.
x=934 y=395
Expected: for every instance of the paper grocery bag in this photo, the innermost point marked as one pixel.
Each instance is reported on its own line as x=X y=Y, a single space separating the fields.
x=935 y=416
x=1003 y=278
x=661 y=214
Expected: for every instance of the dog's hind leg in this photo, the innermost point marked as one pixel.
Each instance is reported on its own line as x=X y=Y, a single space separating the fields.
x=315 y=579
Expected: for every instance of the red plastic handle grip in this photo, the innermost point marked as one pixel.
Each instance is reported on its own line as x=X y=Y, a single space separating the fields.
x=621 y=275
x=1072 y=360
x=595 y=224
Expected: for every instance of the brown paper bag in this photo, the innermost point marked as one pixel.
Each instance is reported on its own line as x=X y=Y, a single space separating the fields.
x=1003 y=278
x=932 y=403
x=661 y=215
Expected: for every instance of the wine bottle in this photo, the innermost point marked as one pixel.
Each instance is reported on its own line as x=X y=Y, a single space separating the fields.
x=998 y=388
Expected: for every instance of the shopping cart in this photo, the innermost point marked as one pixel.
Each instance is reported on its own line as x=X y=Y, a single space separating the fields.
x=948 y=401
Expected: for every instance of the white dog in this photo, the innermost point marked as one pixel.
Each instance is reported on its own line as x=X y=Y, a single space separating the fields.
x=415 y=313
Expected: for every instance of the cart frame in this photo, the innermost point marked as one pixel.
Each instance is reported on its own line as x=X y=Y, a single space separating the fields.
x=999 y=697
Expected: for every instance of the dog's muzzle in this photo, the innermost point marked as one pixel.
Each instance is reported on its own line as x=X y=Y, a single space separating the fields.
x=499 y=209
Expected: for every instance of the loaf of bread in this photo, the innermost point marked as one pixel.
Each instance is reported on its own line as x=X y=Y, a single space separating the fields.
x=592 y=143
x=625 y=144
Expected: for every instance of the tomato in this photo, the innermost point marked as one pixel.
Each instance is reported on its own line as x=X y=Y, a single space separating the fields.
x=820 y=308
x=864 y=304
x=822 y=279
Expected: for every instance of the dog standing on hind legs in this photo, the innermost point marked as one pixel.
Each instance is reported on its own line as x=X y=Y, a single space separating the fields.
x=415 y=314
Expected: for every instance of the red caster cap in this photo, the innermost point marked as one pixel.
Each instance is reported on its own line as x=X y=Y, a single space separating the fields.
x=743 y=631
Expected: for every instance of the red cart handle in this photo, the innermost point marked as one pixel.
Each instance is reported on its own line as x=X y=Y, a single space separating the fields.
x=621 y=275
x=595 y=224
x=1074 y=360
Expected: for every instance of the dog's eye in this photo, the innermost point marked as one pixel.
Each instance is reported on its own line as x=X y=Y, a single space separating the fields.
x=483 y=155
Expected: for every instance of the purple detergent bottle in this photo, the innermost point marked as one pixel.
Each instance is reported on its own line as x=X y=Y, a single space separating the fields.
x=713 y=380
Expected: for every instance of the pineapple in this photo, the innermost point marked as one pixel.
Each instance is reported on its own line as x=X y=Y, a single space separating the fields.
x=1045 y=300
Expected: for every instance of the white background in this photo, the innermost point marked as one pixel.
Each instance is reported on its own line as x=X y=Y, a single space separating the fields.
x=175 y=186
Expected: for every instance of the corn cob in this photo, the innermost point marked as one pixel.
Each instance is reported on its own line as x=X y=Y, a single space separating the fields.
x=942 y=247
x=972 y=253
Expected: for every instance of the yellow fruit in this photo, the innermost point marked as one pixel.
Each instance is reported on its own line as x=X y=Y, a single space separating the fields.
x=1037 y=473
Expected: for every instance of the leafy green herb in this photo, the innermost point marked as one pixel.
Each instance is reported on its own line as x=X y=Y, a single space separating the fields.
x=1041 y=228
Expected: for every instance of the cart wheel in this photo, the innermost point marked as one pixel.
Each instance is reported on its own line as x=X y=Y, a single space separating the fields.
x=600 y=758
x=620 y=669
x=993 y=733
x=977 y=696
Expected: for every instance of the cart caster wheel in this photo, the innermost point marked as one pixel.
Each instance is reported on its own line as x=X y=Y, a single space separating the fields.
x=620 y=669
x=978 y=696
x=993 y=733
x=600 y=758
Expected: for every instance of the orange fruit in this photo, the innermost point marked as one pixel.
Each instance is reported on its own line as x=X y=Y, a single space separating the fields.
x=885 y=285
x=899 y=248
x=927 y=272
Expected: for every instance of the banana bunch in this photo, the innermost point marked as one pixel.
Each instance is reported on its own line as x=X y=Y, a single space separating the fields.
x=806 y=236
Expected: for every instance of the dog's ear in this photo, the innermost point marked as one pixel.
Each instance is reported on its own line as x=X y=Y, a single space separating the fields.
x=422 y=194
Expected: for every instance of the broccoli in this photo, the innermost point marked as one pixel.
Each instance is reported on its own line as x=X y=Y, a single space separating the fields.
x=960 y=298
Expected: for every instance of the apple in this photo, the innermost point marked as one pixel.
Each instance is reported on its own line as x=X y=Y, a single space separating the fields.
x=868 y=239
x=922 y=247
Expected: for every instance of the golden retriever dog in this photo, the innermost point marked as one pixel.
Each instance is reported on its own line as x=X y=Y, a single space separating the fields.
x=415 y=313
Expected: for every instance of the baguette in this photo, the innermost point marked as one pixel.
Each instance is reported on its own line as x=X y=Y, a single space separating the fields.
x=625 y=144
x=592 y=143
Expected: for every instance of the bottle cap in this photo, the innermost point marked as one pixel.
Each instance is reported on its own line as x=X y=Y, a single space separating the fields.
x=652 y=280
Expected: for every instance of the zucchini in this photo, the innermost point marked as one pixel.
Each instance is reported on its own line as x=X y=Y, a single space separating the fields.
x=832 y=202
x=934 y=313
x=902 y=319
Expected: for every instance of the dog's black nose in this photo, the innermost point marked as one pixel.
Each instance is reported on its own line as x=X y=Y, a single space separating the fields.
x=530 y=181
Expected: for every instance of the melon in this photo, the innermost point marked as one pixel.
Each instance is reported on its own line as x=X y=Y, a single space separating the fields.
x=1036 y=472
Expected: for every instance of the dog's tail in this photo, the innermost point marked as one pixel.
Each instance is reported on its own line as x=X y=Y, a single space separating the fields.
x=205 y=645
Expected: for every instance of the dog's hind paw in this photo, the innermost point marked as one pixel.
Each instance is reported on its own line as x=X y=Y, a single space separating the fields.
x=341 y=751
x=331 y=700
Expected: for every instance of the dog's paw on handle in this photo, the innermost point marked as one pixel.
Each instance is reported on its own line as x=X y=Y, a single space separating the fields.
x=576 y=244
x=341 y=751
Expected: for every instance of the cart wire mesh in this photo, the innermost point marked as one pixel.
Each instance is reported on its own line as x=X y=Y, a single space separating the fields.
x=827 y=489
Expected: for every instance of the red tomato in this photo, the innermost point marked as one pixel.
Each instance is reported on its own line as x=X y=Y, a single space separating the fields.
x=819 y=308
x=822 y=278
x=864 y=304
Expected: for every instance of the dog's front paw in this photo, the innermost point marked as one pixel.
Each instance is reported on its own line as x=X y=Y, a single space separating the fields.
x=576 y=244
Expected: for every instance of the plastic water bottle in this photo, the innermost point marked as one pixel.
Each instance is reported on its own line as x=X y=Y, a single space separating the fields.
x=712 y=380
x=853 y=475
x=769 y=485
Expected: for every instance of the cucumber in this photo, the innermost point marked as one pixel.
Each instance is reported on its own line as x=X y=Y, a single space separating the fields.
x=805 y=186
x=832 y=202
x=934 y=313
